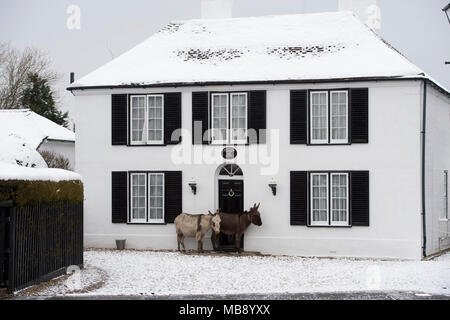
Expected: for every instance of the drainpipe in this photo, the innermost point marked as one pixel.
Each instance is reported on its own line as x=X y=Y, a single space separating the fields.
x=422 y=133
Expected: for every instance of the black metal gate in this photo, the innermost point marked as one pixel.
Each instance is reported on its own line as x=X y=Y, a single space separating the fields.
x=39 y=242
x=4 y=241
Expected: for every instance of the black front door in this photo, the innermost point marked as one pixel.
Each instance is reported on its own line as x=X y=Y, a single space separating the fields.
x=231 y=200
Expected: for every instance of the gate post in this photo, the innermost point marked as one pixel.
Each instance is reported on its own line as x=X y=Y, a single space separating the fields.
x=4 y=240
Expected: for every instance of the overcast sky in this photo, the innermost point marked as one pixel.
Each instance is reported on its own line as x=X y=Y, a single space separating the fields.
x=417 y=28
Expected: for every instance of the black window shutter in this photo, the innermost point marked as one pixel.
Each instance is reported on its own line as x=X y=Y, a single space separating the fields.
x=200 y=114
x=119 y=197
x=359 y=198
x=119 y=128
x=257 y=115
x=299 y=116
x=172 y=116
x=359 y=106
x=299 y=198
x=172 y=195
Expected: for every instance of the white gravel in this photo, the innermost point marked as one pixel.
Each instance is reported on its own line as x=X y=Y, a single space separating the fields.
x=170 y=273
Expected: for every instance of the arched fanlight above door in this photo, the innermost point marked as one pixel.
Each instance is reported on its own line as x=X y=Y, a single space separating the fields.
x=231 y=170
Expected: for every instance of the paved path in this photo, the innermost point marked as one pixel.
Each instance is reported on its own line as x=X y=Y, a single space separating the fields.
x=396 y=295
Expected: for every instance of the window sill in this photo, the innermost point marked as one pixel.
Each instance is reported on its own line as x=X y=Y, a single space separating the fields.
x=329 y=144
x=147 y=145
x=327 y=226
x=148 y=223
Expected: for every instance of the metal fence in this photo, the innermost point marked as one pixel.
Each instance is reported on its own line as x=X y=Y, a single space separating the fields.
x=38 y=243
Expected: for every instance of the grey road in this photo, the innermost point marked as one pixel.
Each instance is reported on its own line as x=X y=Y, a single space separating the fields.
x=373 y=295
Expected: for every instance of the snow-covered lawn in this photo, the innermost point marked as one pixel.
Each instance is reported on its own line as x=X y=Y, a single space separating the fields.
x=109 y=272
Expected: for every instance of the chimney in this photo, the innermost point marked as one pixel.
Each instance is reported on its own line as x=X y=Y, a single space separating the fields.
x=366 y=10
x=217 y=9
x=72 y=77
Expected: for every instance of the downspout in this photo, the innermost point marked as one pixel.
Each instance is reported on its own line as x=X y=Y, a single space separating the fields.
x=422 y=133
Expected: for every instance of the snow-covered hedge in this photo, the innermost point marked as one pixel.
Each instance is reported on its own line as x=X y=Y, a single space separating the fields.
x=33 y=186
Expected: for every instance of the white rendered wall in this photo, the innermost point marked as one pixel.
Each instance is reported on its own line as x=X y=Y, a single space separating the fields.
x=392 y=157
x=437 y=160
x=66 y=149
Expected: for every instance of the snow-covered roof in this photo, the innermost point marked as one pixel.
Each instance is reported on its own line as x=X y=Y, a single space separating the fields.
x=31 y=127
x=15 y=172
x=326 y=46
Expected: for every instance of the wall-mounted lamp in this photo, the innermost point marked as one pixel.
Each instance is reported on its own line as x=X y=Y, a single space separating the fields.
x=193 y=186
x=446 y=9
x=273 y=186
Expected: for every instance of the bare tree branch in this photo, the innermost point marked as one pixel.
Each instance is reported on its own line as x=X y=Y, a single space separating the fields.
x=15 y=66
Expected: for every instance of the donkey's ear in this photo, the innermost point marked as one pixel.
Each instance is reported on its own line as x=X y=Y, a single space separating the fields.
x=257 y=207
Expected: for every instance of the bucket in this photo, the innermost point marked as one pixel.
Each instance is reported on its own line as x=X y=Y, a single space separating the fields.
x=120 y=244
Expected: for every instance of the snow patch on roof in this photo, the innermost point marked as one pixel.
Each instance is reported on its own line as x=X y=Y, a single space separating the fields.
x=31 y=127
x=16 y=150
x=289 y=47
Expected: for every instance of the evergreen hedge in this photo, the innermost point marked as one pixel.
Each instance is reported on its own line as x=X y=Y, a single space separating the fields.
x=25 y=193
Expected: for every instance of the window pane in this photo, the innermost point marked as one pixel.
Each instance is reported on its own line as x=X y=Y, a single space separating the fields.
x=156 y=197
x=339 y=120
x=155 y=118
x=339 y=197
x=137 y=118
x=219 y=117
x=319 y=119
x=319 y=195
x=138 y=197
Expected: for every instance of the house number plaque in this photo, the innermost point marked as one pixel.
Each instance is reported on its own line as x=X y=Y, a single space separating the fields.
x=229 y=153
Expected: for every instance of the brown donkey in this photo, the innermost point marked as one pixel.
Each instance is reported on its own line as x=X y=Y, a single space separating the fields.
x=236 y=224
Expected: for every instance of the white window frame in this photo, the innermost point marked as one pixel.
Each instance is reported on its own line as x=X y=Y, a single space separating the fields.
x=237 y=141
x=338 y=223
x=312 y=140
x=330 y=121
x=135 y=220
x=144 y=130
x=312 y=222
x=227 y=135
x=162 y=220
x=161 y=141
x=145 y=140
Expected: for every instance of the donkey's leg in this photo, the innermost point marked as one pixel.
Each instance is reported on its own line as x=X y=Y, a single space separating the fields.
x=182 y=243
x=237 y=239
x=199 y=237
x=213 y=240
x=179 y=235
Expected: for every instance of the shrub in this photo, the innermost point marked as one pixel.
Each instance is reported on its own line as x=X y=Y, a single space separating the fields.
x=25 y=193
x=55 y=160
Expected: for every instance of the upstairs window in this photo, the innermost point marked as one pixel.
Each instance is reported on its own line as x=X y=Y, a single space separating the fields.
x=319 y=117
x=329 y=117
x=147 y=121
x=229 y=118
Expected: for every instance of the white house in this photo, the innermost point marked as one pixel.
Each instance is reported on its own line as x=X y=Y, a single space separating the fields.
x=38 y=132
x=343 y=141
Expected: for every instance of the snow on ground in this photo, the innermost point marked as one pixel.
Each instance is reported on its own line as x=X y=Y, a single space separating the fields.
x=170 y=273
x=16 y=172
